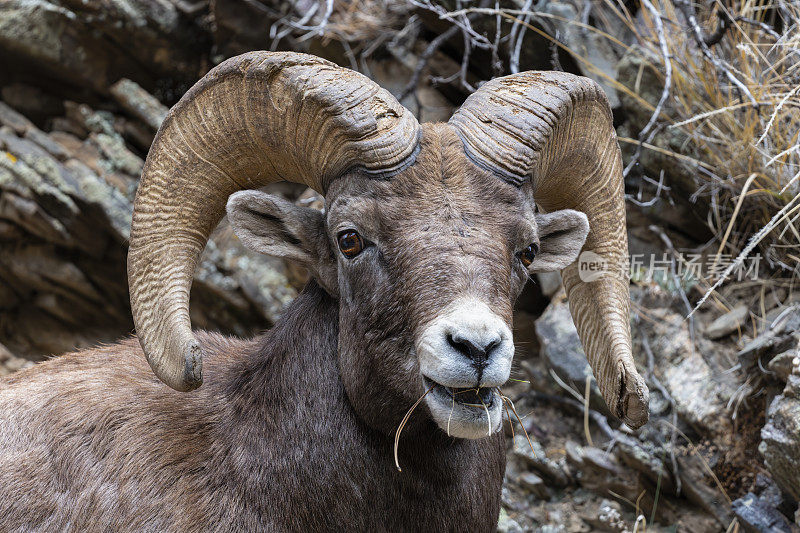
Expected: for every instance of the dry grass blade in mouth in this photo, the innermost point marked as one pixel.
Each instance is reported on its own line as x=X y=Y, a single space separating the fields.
x=508 y=415
x=402 y=425
x=451 y=415
x=475 y=391
x=514 y=409
x=488 y=419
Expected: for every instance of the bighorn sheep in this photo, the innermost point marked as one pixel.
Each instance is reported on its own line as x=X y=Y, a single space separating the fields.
x=429 y=235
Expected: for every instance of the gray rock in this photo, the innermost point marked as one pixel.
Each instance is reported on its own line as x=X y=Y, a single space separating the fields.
x=764 y=347
x=562 y=349
x=118 y=156
x=65 y=214
x=262 y=281
x=596 y=49
x=14 y=120
x=534 y=484
x=549 y=282
x=44 y=141
x=642 y=458
x=96 y=191
x=780 y=442
x=607 y=516
x=728 y=323
x=92 y=43
x=602 y=473
x=767 y=490
x=48 y=186
x=139 y=103
x=553 y=471
x=88 y=119
x=756 y=516
x=551 y=528
x=694 y=375
x=505 y=524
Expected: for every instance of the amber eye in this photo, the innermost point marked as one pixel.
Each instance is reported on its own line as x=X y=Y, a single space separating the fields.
x=350 y=243
x=528 y=254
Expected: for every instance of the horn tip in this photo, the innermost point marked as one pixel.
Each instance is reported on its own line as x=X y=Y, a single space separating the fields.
x=193 y=368
x=634 y=403
x=182 y=379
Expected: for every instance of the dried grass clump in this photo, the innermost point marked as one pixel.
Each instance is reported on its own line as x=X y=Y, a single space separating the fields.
x=732 y=87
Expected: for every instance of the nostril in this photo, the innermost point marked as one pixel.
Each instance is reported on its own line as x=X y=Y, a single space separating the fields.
x=490 y=347
x=459 y=345
x=475 y=352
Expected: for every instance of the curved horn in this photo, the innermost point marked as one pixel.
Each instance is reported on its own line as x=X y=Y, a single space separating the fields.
x=255 y=119
x=555 y=130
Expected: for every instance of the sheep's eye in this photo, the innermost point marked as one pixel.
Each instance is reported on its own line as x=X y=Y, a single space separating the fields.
x=350 y=243
x=528 y=254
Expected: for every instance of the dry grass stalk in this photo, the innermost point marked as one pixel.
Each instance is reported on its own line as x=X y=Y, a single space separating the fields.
x=403 y=424
x=508 y=401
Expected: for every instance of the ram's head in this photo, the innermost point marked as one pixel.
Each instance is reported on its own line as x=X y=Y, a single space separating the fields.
x=428 y=236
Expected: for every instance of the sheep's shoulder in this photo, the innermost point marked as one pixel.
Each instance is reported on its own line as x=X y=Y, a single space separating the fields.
x=93 y=437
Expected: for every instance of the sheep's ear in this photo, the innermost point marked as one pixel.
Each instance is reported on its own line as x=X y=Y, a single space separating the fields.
x=270 y=225
x=561 y=237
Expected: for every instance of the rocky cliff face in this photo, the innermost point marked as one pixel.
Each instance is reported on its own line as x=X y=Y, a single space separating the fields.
x=65 y=211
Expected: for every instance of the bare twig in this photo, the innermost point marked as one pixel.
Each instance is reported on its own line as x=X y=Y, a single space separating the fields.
x=687 y=10
x=422 y=61
x=478 y=40
x=555 y=63
x=724 y=23
x=598 y=418
x=656 y=197
x=516 y=35
x=497 y=65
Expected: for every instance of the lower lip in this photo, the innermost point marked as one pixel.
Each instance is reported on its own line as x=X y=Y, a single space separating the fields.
x=447 y=391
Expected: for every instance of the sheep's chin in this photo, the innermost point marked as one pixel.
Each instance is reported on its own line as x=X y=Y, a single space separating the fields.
x=461 y=420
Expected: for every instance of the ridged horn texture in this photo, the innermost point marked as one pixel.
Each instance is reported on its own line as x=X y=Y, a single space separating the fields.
x=554 y=130
x=255 y=119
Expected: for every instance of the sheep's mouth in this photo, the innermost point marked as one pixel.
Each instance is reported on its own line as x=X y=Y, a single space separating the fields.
x=476 y=397
x=464 y=412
